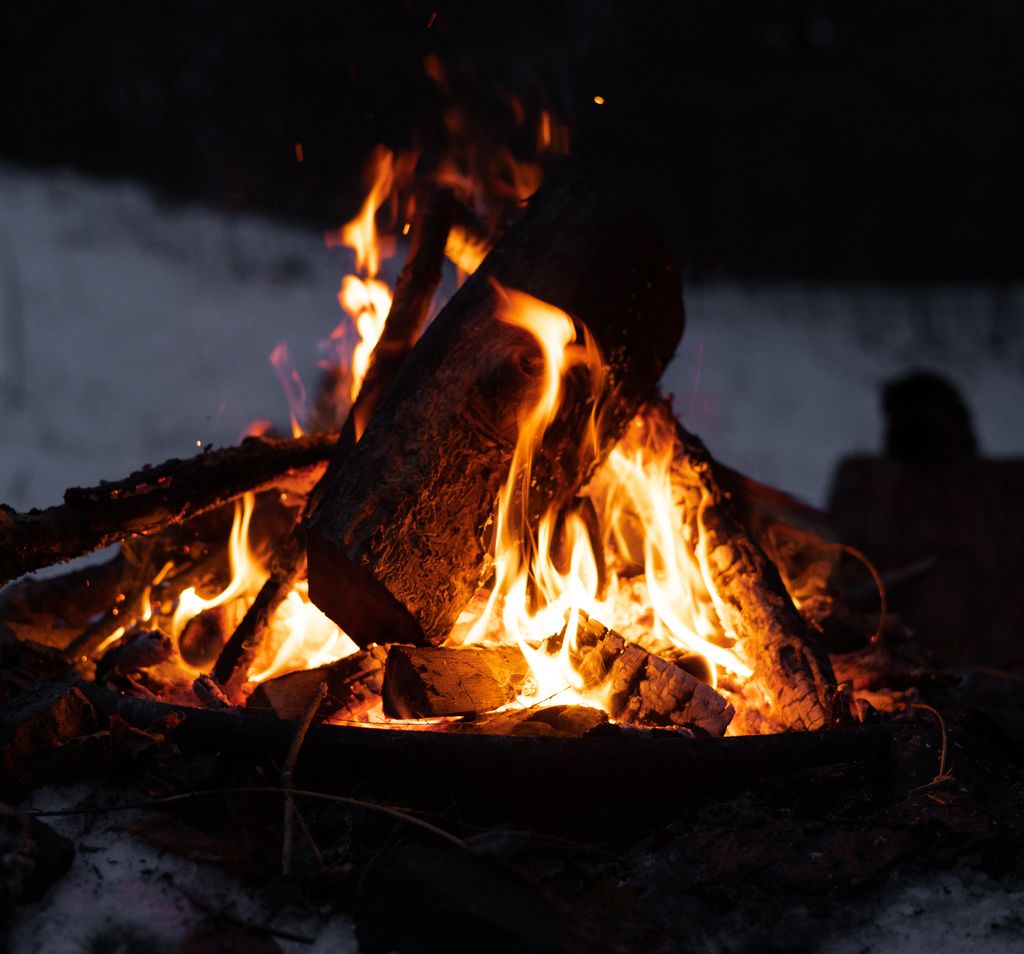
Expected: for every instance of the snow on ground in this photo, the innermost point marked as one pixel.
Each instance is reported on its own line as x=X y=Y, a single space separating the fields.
x=135 y=330
x=123 y=894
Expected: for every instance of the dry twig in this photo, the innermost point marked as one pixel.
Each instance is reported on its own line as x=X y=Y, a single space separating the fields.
x=288 y=771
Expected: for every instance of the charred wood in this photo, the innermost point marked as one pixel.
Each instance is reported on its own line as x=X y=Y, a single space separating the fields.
x=35 y=723
x=154 y=498
x=424 y=682
x=353 y=687
x=653 y=774
x=642 y=689
x=398 y=543
x=747 y=592
x=241 y=649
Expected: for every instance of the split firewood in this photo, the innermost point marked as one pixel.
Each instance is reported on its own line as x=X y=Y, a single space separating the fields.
x=747 y=592
x=423 y=682
x=398 y=543
x=139 y=650
x=353 y=687
x=642 y=689
x=414 y=291
x=154 y=498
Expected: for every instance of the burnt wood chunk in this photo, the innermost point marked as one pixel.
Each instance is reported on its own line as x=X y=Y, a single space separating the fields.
x=425 y=682
x=36 y=723
x=642 y=689
x=398 y=543
x=154 y=498
x=562 y=722
x=747 y=592
x=353 y=687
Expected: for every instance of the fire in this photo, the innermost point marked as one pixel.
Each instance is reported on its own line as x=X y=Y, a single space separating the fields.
x=646 y=521
x=299 y=636
x=247 y=574
x=364 y=298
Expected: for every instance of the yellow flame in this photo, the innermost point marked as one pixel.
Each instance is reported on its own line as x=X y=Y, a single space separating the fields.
x=647 y=519
x=247 y=574
x=299 y=637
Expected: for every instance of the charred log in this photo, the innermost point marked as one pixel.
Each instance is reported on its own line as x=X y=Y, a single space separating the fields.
x=747 y=592
x=398 y=543
x=652 y=774
x=154 y=498
x=353 y=687
x=642 y=689
x=429 y=681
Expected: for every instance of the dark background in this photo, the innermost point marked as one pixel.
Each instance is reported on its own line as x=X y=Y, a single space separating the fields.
x=773 y=139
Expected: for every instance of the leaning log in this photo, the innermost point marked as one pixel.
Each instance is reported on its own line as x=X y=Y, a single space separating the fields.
x=398 y=544
x=747 y=593
x=425 y=682
x=154 y=498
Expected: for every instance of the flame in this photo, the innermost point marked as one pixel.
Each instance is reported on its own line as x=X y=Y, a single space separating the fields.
x=363 y=297
x=247 y=573
x=647 y=519
x=299 y=637
x=291 y=384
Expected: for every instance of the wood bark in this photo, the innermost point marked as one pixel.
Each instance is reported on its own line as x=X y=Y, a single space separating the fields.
x=641 y=689
x=353 y=687
x=398 y=543
x=424 y=682
x=747 y=593
x=154 y=498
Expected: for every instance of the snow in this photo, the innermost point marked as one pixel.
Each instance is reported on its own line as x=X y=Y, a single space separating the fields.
x=147 y=328
x=124 y=894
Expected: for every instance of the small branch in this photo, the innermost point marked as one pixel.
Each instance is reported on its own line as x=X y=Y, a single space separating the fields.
x=241 y=649
x=945 y=773
x=154 y=498
x=883 y=599
x=356 y=803
x=287 y=773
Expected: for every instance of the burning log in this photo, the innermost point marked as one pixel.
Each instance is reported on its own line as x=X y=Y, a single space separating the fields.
x=353 y=686
x=643 y=689
x=747 y=592
x=429 y=681
x=397 y=545
x=153 y=499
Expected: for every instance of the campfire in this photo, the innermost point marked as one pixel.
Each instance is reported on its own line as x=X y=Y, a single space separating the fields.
x=496 y=524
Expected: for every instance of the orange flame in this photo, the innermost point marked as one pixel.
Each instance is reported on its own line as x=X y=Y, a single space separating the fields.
x=647 y=519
